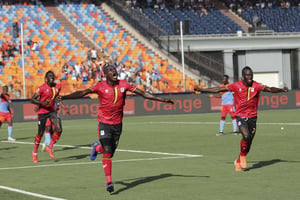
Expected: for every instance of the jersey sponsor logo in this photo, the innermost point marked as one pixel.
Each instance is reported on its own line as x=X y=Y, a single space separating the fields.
x=102 y=132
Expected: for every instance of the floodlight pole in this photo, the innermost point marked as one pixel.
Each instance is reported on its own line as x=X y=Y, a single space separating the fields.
x=22 y=58
x=182 y=56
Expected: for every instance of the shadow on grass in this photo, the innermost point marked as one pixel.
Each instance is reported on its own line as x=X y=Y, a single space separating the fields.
x=25 y=138
x=73 y=147
x=265 y=163
x=7 y=148
x=131 y=183
x=76 y=157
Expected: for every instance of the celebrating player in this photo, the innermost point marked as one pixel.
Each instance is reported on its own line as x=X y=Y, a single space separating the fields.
x=246 y=97
x=112 y=94
x=45 y=97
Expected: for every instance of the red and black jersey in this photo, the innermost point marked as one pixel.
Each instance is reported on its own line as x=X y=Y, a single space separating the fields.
x=246 y=98
x=48 y=93
x=112 y=100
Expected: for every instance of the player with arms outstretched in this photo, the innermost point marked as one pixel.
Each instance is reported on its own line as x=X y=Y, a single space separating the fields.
x=112 y=95
x=246 y=97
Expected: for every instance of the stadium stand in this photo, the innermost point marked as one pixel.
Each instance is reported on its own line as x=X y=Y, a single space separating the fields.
x=279 y=16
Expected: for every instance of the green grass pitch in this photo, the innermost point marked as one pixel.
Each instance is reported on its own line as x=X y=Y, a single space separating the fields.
x=159 y=158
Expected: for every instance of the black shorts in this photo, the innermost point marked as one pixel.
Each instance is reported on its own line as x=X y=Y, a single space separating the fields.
x=250 y=123
x=42 y=118
x=109 y=131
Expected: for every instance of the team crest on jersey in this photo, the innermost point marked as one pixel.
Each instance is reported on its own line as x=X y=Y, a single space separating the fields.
x=106 y=91
x=122 y=89
x=240 y=89
x=252 y=89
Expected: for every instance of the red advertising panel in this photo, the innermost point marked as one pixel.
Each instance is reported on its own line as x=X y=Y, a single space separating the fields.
x=28 y=111
x=129 y=108
x=215 y=103
x=297 y=98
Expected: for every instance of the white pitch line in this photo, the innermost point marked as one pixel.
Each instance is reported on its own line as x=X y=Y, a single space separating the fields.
x=30 y=193
x=89 y=163
x=121 y=150
x=160 y=153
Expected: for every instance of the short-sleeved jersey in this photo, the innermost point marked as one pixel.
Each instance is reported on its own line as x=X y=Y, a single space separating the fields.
x=4 y=104
x=112 y=100
x=227 y=97
x=246 y=98
x=47 y=93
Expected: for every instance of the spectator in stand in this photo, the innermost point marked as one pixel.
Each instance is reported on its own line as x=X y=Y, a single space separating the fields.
x=148 y=81
x=94 y=54
x=78 y=69
x=138 y=79
x=84 y=76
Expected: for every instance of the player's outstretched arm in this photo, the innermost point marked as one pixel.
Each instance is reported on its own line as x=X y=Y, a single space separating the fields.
x=147 y=95
x=211 y=90
x=77 y=94
x=275 y=89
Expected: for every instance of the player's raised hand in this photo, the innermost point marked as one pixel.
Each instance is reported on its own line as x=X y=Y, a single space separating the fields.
x=197 y=89
x=285 y=88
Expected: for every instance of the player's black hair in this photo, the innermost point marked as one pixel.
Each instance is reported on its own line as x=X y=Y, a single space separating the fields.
x=246 y=68
x=225 y=75
x=106 y=66
x=49 y=72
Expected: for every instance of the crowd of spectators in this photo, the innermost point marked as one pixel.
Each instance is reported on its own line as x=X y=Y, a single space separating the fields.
x=91 y=70
x=238 y=5
x=177 y=4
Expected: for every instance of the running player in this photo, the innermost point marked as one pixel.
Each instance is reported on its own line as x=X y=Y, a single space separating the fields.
x=45 y=97
x=112 y=95
x=246 y=97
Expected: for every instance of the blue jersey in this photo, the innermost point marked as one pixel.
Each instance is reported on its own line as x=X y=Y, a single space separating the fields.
x=227 y=98
x=4 y=104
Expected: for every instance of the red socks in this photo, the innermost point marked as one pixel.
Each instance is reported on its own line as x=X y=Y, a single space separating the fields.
x=99 y=148
x=55 y=137
x=37 y=141
x=106 y=163
x=244 y=147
